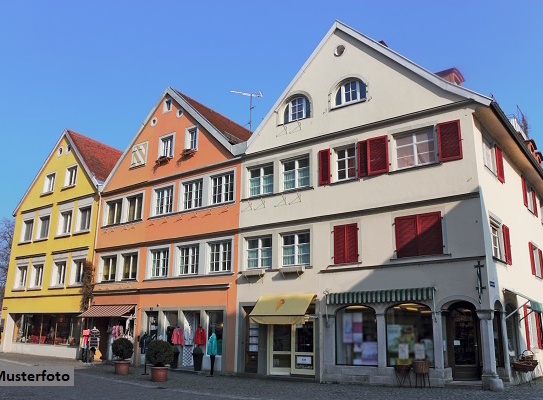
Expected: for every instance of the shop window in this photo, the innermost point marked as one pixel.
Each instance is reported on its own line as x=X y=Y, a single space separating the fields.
x=409 y=334
x=356 y=336
x=57 y=329
x=216 y=325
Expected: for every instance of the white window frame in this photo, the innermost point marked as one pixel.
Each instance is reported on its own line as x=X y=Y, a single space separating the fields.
x=158 y=267
x=297 y=245
x=65 y=222
x=496 y=236
x=49 y=183
x=295 y=108
x=70 y=176
x=77 y=270
x=259 y=252
x=36 y=276
x=346 y=160
x=262 y=187
x=191 y=188
x=538 y=266
x=225 y=195
x=296 y=172
x=133 y=266
x=413 y=134
x=489 y=155
x=138 y=198
x=166 y=146
x=40 y=235
x=159 y=197
x=111 y=260
x=191 y=138
x=360 y=94
x=84 y=217
x=529 y=197
x=21 y=277
x=167 y=106
x=58 y=277
x=27 y=230
x=113 y=207
x=223 y=264
x=188 y=259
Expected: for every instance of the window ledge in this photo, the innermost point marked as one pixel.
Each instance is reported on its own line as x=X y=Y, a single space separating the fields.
x=81 y=232
x=260 y=272
x=56 y=287
x=40 y=239
x=416 y=167
x=67 y=187
x=136 y=166
x=499 y=260
x=293 y=269
x=34 y=289
x=46 y=194
x=163 y=160
x=341 y=182
x=351 y=103
x=62 y=235
x=425 y=257
x=18 y=289
x=74 y=285
x=25 y=242
x=288 y=191
x=220 y=273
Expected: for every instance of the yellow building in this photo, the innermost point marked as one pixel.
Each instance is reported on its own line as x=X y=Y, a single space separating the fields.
x=55 y=231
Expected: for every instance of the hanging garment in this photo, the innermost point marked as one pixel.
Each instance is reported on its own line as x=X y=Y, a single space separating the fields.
x=212 y=345
x=178 y=337
x=200 y=336
x=94 y=338
x=85 y=341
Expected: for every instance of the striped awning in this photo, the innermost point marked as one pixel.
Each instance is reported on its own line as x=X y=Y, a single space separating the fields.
x=107 y=311
x=381 y=296
x=535 y=305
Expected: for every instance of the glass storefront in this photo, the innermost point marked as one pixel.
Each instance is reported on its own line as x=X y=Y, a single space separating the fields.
x=56 y=329
x=216 y=325
x=356 y=336
x=409 y=334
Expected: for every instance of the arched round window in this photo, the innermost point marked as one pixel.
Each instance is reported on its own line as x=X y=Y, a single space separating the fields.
x=351 y=91
x=297 y=108
x=356 y=336
x=409 y=334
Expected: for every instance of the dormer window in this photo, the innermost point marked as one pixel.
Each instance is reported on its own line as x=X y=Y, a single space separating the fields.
x=167 y=106
x=297 y=108
x=351 y=91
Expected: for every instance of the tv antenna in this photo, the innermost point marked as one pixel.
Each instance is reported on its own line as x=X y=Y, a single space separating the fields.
x=250 y=95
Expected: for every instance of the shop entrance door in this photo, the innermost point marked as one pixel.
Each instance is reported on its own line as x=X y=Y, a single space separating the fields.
x=292 y=349
x=463 y=342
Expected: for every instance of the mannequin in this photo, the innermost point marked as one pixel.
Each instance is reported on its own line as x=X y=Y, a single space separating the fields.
x=212 y=351
x=94 y=342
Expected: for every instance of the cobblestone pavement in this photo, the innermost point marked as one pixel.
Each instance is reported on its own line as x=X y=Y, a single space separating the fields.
x=99 y=382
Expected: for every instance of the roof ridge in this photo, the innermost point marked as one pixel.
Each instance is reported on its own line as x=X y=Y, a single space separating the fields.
x=72 y=132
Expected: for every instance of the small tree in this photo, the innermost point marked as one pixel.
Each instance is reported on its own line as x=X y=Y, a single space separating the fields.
x=159 y=353
x=87 y=288
x=122 y=348
x=6 y=238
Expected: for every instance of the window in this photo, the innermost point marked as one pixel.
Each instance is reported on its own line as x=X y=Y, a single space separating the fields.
x=220 y=256
x=77 y=274
x=59 y=274
x=167 y=105
x=163 y=200
x=191 y=139
x=130 y=266
x=536 y=259
x=139 y=155
x=49 y=183
x=297 y=108
x=160 y=261
x=84 y=219
x=223 y=188
x=419 y=235
x=417 y=148
x=259 y=252
x=296 y=173
x=28 y=226
x=501 y=242
x=109 y=269
x=188 y=260
x=350 y=92
x=43 y=227
x=356 y=336
x=409 y=331
x=261 y=180
x=20 y=282
x=114 y=212
x=71 y=175
x=345 y=244
x=37 y=275
x=192 y=194
x=493 y=159
x=166 y=146
x=529 y=196
x=496 y=241
x=296 y=249
x=135 y=204
x=346 y=163
x=65 y=226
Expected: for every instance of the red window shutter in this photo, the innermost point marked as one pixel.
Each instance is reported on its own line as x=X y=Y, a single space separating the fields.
x=540 y=255
x=538 y=326
x=362 y=148
x=406 y=236
x=534 y=202
x=430 y=236
x=351 y=234
x=339 y=244
x=324 y=167
x=527 y=327
x=449 y=141
x=499 y=165
x=378 y=155
x=524 y=192
x=532 y=260
x=507 y=245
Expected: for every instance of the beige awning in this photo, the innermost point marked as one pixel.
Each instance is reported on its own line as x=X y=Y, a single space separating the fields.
x=107 y=311
x=284 y=309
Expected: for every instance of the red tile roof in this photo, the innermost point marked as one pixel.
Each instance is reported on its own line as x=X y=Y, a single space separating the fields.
x=233 y=132
x=99 y=157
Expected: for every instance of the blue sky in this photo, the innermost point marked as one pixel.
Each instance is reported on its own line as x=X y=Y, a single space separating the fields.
x=98 y=67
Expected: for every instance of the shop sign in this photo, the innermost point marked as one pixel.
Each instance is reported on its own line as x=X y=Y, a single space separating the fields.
x=304 y=360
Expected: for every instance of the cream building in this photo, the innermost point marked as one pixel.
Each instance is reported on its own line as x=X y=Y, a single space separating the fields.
x=383 y=221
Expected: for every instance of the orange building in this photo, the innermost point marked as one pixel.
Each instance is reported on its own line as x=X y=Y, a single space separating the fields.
x=168 y=235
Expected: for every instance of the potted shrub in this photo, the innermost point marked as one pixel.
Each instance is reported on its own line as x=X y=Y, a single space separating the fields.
x=122 y=349
x=159 y=354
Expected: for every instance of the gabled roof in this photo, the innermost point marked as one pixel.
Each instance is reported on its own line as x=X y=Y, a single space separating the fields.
x=96 y=159
x=227 y=132
x=385 y=51
x=234 y=132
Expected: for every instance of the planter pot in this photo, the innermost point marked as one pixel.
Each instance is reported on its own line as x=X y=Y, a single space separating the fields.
x=159 y=374
x=121 y=367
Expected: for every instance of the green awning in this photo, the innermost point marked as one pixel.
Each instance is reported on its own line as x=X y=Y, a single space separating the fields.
x=381 y=296
x=535 y=305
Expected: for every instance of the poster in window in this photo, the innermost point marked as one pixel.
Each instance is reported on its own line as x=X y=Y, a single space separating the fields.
x=357 y=328
x=420 y=351
x=369 y=353
x=403 y=351
x=347 y=328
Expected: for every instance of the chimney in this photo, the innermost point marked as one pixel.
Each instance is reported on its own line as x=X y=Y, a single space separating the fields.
x=452 y=75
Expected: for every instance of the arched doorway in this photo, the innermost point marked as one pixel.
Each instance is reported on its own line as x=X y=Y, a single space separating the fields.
x=463 y=342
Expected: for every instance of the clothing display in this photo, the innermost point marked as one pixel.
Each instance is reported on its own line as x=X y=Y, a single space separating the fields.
x=85 y=341
x=178 y=336
x=94 y=338
x=144 y=342
x=212 y=345
x=200 y=336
